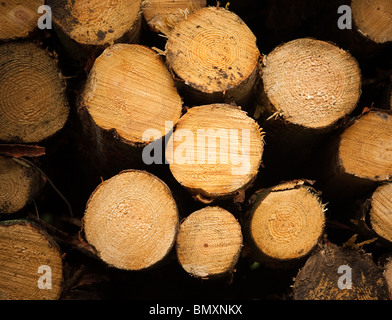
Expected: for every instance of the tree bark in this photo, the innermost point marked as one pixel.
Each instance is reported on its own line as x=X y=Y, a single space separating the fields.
x=26 y=254
x=340 y=273
x=214 y=57
x=131 y=220
x=162 y=15
x=284 y=224
x=388 y=276
x=33 y=104
x=18 y=18
x=209 y=243
x=220 y=155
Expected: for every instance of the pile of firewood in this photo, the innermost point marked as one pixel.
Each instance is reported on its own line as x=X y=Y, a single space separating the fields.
x=184 y=148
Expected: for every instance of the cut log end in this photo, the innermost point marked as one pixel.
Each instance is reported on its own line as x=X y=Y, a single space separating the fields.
x=216 y=150
x=19 y=185
x=365 y=147
x=130 y=90
x=162 y=15
x=213 y=51
x=311 y=83
x=33 y=105
x=18 y=18
x=131 y=220
x=373 y=19
x=209 y=242
x=286 y=223
x=27 y=253
x=96 y=22
x=381 y=211
x=339 y=273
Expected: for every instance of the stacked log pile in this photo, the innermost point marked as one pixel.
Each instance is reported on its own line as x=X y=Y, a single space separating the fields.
x=187 y=149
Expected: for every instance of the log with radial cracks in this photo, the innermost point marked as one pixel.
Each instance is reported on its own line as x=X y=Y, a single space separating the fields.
x=209 y=242
x=131 y=220
x=285 y=223
x=373 y=19
x=18 y=18
x=340 y=273
x=31 y=263
x=162 y=15
x=128 y=92
x=19 y=185
x=214 y=55
x=215 y=151
x=33 y=104
x=97 y=22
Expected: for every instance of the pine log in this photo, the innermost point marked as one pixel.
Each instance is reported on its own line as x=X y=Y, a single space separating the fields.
x=324 y=278
x=18 y=18
x=373 y=19
x=19 y=185
x=214 y=56
x=26 y=254
x=33 y=104
x=284 y=224
x=129 y=91
x=310 y=84
x=360 y=158
x=215 y=151
x=209 y=243
x=309 y=87
x=381 y=211
x=162 y=15
x=97 y=22
x=131 y=220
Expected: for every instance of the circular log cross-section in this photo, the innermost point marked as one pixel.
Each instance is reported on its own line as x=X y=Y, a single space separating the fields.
x=163 y=15
x=311 y=83
x=19 y=185
x=214 y=53
x=131 y=220
x=31 y=263
x=18 y=18
x=129 y=89
x=209 y=242
x=96 y=22
x=33 y=104
x=365 y=148
x=215 y=151
x=285 y=223
x=340 y=273
x=373 y=19
x=381 y=211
